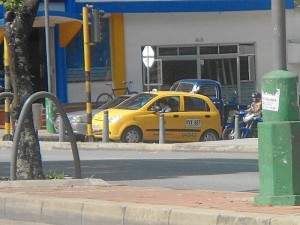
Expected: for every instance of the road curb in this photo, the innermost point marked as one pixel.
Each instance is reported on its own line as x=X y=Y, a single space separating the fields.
x=66 y=211
x=53 y=183
x=240 y=145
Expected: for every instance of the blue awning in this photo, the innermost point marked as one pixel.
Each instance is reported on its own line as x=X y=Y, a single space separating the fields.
x=161 y=6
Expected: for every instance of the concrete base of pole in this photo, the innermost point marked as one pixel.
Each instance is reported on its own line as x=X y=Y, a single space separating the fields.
x=279 y=163
x=265 y=200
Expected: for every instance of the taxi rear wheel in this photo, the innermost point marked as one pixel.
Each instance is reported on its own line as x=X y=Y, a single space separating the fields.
x=209 y=135
x=132 y=135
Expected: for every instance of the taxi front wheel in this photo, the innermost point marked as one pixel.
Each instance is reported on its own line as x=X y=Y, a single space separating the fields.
x=132 y=135
x=209 y=135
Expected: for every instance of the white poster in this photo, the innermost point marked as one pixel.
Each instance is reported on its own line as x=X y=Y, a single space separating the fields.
x=271 y=101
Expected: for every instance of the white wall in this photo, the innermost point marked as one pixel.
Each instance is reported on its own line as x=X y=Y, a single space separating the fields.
x=76 y=91
x=185 y=28
x=293 y=35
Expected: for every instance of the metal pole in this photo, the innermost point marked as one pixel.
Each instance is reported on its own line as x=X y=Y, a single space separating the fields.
x=46 y=9
x=236 y=127
x=161 y=129
x=87 y=68
x=105 y=132
x=148 y=78
x=279 y=35
x=148 y=71
x=61 y=132
x=22 y=117
x=48 y=103
x=7 y=136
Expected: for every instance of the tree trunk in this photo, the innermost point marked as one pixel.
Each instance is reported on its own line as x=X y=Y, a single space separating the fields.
x=17 y=31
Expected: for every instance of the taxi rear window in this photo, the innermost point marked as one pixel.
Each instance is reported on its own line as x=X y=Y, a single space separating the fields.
x=195 y=104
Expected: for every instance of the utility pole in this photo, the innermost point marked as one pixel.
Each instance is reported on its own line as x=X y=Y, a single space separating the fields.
x=279 y=35
x=87 y=68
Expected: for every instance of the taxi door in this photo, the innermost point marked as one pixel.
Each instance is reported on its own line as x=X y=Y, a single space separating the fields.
x=171 y=120
x=197 y=117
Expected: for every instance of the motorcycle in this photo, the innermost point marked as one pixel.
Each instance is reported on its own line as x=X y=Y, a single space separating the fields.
x=247 y=126
x=230 y=109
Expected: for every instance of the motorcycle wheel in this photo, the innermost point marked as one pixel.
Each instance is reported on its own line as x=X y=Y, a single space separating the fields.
x=228 y=134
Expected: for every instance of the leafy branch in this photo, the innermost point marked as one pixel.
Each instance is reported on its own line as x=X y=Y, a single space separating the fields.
x=12 y=5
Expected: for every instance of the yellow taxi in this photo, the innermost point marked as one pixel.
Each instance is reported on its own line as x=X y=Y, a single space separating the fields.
x=189 y=118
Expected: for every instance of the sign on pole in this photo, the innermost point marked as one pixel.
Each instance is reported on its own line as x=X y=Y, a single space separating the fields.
x=148 y=60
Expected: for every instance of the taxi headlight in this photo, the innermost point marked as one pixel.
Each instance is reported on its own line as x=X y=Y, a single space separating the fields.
x=75 y=119
x=114 y=119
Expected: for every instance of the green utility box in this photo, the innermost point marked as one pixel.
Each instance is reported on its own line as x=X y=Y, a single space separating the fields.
x=279 y=152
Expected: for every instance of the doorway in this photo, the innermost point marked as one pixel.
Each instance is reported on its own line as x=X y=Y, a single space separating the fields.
x=37 y=53
x=174 y=70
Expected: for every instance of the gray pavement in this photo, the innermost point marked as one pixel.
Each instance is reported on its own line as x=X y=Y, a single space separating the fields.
x=90 y=201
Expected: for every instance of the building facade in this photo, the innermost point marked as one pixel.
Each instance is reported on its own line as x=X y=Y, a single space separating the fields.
x=228 y=41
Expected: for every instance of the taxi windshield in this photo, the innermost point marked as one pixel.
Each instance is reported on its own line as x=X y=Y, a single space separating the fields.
x=136 y=101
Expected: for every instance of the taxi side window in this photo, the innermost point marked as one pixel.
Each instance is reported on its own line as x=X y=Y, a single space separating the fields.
x=195 y=104
x=173 y=102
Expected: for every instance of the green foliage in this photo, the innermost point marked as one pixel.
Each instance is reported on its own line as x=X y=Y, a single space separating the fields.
x=296 y=3
x=55 y=176
x=12 y=5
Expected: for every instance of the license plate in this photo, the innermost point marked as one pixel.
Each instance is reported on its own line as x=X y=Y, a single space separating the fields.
x=192 y=122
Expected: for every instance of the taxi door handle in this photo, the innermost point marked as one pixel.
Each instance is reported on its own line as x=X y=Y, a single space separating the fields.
x=175 y=116
x=207 y=116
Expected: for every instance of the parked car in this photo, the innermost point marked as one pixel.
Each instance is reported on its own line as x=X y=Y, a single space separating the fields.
x=193 y=117
x=78 y=119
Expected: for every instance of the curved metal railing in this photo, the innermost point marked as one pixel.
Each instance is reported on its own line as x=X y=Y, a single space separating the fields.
x=63 y=115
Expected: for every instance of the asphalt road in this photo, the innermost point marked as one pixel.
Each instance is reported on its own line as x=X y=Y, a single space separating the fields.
x=179 y=170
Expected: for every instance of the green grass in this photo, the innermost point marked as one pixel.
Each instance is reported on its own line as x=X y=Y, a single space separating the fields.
x=54 y=176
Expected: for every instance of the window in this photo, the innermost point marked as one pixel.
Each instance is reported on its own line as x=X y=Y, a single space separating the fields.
x=231 y=64
x=100 y=58
x=180 y=86
x=208 y=50
x=208 y=90
x=173 y=102
x=167 y=51
x=246 y=49
x=195 y=104
x=227 y=49
x=187 y=51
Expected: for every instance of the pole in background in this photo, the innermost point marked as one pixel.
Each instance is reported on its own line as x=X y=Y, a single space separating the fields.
x=236 y=127
x=7 y=136
x=161 y=129
x=105 y=131
x=148 y=60
x=50 y=114
x=279 y=35
x=87 y=68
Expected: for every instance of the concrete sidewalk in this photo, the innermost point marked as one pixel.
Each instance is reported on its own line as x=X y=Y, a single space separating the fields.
x=90 y=202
